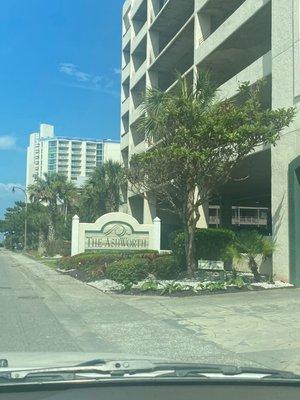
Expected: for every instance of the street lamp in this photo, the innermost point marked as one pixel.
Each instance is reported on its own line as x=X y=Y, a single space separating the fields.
x=26 y=205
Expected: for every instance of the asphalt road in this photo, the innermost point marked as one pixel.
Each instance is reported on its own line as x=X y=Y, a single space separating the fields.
x=43 y=312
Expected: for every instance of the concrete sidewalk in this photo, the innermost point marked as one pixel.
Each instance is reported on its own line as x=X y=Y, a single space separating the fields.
x=47 y=311
x=262 y=326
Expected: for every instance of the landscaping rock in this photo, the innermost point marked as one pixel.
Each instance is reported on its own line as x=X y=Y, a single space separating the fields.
x=275 y=285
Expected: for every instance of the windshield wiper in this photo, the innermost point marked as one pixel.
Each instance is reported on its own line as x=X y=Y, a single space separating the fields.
x=99 y=369
x=190 y=368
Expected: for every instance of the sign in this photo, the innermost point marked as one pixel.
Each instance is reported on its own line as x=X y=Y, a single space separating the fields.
x=117 y=235
x=115 y=231
x=211 y=265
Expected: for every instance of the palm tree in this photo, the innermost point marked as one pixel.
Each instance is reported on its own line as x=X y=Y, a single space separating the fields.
x=114 y=179
x=249 y=245
x=57 y=193
x=102 y=192
x=198 y=140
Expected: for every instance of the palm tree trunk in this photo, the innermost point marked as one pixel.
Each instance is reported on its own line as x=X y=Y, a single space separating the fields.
x=51 y=232
x=41 y=244
x=254 y=269
x=52 y=221
x=190 y=223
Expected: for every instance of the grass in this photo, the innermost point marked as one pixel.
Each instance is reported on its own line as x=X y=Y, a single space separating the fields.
x=49 y=263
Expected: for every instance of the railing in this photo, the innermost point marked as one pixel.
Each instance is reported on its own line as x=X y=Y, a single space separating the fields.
x=253 y=221
x=250 y=221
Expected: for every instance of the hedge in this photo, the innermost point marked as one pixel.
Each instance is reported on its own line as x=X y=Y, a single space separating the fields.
x=86 y=261
x=210 y=244
x=133 y=270
x=166 y=267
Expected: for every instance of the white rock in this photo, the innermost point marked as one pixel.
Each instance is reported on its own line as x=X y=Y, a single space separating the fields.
x=275 y=285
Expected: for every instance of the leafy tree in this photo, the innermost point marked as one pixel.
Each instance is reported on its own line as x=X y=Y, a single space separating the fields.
x=58 y=194
x=37 y=224
x=249 y=245
x=197 y=142
x=102 y=192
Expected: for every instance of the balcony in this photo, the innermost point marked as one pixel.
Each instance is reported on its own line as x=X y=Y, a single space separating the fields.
x=126 y=6
x=179 y=12
x=126 y=72
x=245 y=13
x=124 y=141
x=140 y=148
x=138 y=15
x=217 y=11
x=158 y=6
x=139 y=55
x=136 y=114
x=125 y=106
x=259 y=69
x=139 y=37
x=140 y=73
x=242 y=216
x=137 y=4
x=126 y=38
x=178 y=53
x=189 y=77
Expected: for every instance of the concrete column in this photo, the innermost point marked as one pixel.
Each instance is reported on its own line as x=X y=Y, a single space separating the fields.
x=226 y=213
x=157 y=234
x=149 y=210
x=153 y=45
x=154 y=8
x=202 y=28
x=204 y=216
x=285 y=75
x=75 y=236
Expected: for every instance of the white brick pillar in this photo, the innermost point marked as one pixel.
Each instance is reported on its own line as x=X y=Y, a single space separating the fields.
x=75 y=236
x=157 y=234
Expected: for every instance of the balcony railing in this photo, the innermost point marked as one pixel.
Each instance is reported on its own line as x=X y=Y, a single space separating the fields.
x=241 y=221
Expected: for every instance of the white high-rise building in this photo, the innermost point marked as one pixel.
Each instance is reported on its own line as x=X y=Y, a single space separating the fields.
x=73 y=157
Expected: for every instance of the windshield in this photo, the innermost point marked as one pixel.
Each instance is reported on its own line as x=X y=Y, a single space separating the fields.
x=149 y=184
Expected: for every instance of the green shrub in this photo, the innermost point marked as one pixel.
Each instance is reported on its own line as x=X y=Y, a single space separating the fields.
x=88 y=261
x=173 y=287
x=166 y=267
x=211 y=244
x=238 y=281
x=132 y=270
x=215 y=286
x=150 y=285
x=55 y=247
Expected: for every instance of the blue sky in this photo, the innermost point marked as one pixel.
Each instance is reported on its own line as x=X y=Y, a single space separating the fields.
x=60 y=64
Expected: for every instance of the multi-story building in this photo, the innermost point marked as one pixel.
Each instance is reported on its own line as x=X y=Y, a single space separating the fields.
x=75 y=158
x=236 y=40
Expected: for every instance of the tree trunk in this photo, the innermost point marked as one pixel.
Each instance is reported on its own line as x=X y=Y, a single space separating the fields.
x=53 y=211
x=190 y=228
x=41 y=244
x=254 y=269
x=51 y=232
